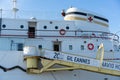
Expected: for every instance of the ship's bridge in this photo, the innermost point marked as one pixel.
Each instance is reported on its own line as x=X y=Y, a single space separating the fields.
x=86 y=16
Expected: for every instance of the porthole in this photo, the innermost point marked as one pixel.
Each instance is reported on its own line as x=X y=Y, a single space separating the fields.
x=56 y=27
x=4 y=26
x=105 y=78
x=85 y=41
x=75 y=74
x=51 y=22
x=45 y=27
x=67 y=27
x=21 y=26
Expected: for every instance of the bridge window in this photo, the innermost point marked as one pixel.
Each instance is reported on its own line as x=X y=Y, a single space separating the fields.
x=97 y=46
x=82 y=47
x=70 y=47
x=20 y=46
x=85 y=41
x=105 y=78
x=115 y=47
x=40 y=46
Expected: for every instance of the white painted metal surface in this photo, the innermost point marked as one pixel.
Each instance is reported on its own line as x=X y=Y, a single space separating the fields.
x=79 y=34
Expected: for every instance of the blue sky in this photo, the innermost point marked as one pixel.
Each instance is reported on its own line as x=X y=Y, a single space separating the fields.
x=50 y=9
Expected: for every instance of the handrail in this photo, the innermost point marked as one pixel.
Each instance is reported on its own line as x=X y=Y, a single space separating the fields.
x=69 y=33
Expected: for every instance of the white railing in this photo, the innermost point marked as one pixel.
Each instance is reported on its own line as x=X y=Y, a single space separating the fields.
x=56 y=33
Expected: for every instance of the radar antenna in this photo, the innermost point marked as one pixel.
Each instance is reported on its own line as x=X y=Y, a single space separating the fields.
x=15 y=9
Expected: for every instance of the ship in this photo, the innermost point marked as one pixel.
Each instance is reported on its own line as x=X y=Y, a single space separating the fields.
x=80 y=47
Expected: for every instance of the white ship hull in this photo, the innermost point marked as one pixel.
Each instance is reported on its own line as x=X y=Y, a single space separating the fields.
x=16 y=59
x=80 y=37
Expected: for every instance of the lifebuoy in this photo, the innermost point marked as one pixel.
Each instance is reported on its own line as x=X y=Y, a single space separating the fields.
x=90 y=46
x=62 y=32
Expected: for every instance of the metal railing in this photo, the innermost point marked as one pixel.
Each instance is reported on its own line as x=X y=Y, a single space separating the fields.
x=56 y=33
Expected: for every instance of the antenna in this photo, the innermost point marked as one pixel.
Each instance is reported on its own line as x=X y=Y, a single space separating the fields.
x=1 y=12
x=15 y=9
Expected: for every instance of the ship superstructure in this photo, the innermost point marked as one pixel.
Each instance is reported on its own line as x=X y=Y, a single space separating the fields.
x=80 y=47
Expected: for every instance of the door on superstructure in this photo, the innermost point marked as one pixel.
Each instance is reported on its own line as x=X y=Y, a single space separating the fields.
x=57 y=46
x=31 y=32
x=31 y=29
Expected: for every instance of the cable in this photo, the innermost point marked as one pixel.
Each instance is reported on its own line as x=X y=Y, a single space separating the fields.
x=14 y=67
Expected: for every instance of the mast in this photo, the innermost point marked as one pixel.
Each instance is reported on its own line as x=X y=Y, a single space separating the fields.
x=15 y=9
x=1 y=13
